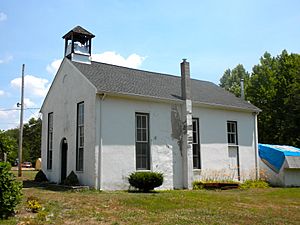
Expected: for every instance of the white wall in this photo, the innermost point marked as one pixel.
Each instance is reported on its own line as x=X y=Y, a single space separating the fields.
x=118 y=135
x=214 y=152
x=68 y=89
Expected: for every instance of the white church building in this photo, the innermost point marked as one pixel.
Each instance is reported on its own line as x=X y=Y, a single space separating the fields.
x=105 y=121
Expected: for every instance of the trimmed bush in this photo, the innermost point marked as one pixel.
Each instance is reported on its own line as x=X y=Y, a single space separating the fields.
x=40 y=177
x=10 y=191
x=254 y=184
x=145 y=181
x=71 y=180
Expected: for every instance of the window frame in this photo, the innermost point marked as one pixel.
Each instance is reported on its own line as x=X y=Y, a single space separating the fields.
x=146 y=142
x=79 y=135
x=50 y=141
x=234 y=133
x=197 y=143
x=235 y=145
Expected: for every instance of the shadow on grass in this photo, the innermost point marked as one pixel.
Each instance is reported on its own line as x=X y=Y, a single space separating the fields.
x=49 y=186
x=143 y=192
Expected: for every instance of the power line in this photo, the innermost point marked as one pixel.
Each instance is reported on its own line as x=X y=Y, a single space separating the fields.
x=2 y=110
x=34 y=114
x=9 y=123
x=8 y=110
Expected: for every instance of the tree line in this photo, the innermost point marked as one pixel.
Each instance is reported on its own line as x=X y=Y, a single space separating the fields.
x=9 y=141
x=274 y=87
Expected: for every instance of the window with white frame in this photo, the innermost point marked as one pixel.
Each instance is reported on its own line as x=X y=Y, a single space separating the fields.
x=232 y=133
x=50 y=141
x=80 y=137
x=142 y=146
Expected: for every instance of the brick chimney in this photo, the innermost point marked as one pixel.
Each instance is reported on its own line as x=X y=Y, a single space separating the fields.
x=187 y=136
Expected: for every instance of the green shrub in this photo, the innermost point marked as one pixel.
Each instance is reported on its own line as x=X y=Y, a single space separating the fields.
x=146 y=181
x=40 y=177
x=32 y=204
x=254 y=184
x=10 y=191
x=72 y=180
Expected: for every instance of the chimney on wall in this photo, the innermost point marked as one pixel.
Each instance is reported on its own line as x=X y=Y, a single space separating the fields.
x=185 y=80
x=187 y=137
x=242 y=89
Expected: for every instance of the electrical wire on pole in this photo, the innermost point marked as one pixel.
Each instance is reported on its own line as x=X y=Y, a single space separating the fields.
x=21 y=125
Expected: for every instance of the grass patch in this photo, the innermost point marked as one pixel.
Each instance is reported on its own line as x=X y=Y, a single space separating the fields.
x=26 y=174
x=249 y=206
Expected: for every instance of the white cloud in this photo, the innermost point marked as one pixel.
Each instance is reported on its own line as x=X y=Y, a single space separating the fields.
x=3 y=114
x=3 y=16
x=6 y=59
x=53 y=66
x=33 y=114
x=133 y=61
x=35 y=86
x=28 y=103
x=9 y=119
x=2 y=93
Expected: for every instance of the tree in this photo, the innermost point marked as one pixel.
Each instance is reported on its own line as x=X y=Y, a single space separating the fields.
x=8 y=146
x=274 y=87
x=14 y=135
x=31 y=140
x=231 y=79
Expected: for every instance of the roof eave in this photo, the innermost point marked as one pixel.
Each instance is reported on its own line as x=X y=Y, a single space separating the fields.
x=230 y=107
x=178 y=101
x=140 y=97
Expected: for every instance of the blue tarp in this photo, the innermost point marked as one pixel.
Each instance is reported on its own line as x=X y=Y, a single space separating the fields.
x=275 y=154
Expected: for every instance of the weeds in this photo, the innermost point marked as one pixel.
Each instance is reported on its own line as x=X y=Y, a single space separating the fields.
x=254 y=184
x=32 y=204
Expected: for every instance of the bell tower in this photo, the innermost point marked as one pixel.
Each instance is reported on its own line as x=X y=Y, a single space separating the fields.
x=78 y=44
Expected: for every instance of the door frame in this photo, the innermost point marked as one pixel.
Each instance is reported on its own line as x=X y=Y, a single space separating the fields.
x=63 y=159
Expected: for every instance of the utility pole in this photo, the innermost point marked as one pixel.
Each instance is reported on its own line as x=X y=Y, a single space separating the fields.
x=21 y=124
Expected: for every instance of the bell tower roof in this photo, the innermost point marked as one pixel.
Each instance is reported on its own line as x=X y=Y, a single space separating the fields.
x=78 y=31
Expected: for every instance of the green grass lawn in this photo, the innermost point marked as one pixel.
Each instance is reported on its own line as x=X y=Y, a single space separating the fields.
x=254 y=206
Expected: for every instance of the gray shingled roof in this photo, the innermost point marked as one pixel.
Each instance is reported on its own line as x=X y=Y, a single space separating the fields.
x=116 y=79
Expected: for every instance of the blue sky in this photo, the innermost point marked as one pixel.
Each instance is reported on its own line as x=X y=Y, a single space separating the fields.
x=146 y=34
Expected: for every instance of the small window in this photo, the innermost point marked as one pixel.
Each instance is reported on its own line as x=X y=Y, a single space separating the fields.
x=80 y=137
x=232 y=132
x=142 y=145
x=50 y=141
x=196 y=145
